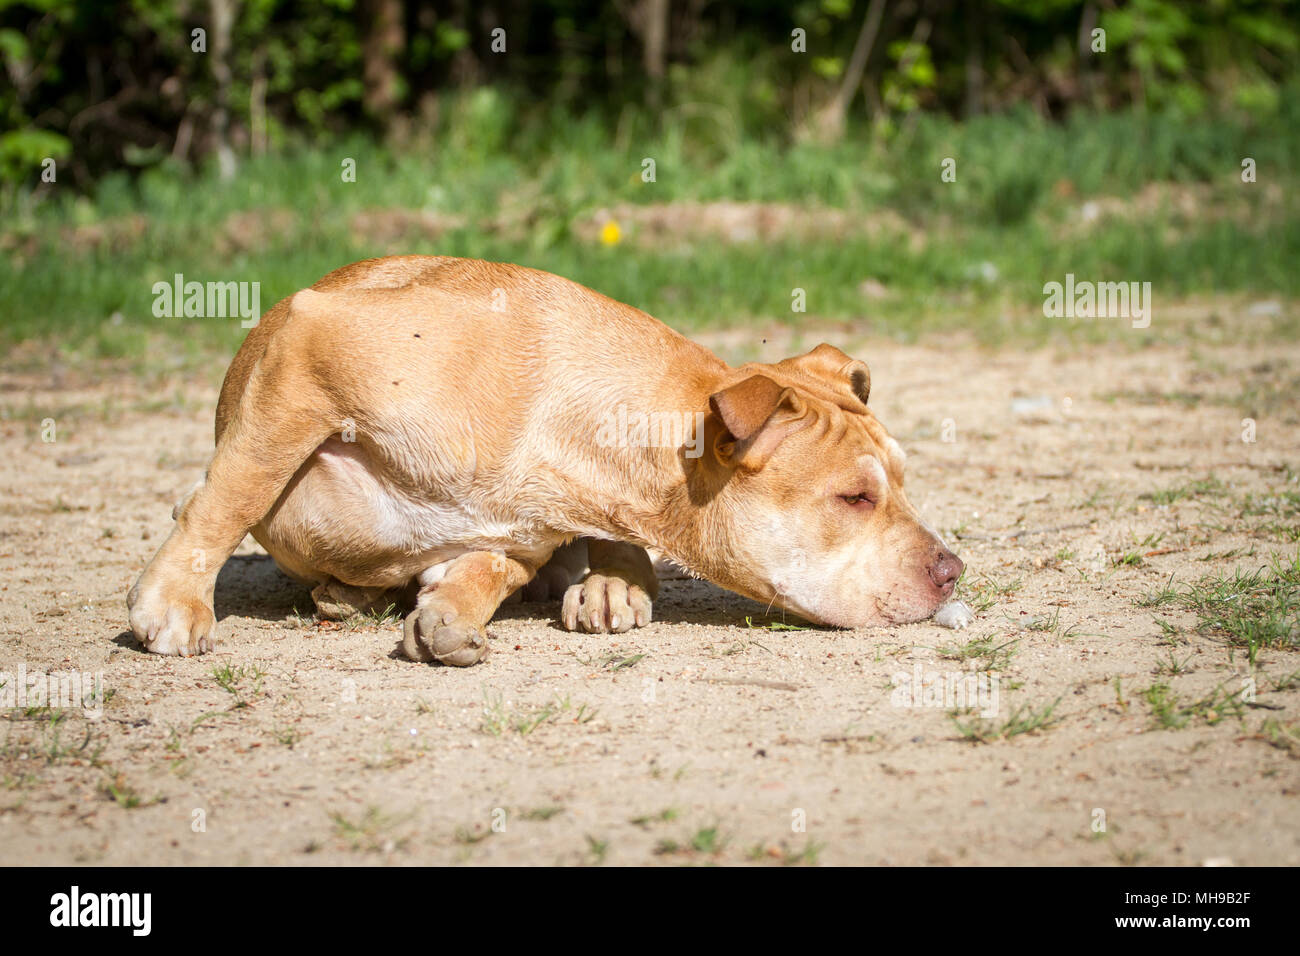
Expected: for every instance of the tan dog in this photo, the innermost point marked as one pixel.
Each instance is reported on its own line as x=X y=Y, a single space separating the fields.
x=448 y=424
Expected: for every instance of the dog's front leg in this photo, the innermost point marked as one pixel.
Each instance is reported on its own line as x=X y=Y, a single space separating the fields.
x=449 y=623
x=617 y=592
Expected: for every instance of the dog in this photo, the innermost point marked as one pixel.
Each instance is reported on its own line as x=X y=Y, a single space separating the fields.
x=466 y=430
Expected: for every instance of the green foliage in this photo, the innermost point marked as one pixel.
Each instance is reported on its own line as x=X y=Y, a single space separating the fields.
x=125 y=83
x=24 y=150
x=510 y=155
x=74 y=269
x=1256 y=609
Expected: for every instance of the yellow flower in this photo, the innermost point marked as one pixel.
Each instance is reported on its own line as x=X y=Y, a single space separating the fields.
x=610 y=234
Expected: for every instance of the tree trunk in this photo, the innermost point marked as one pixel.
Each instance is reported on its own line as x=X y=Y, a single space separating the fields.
x=1088 y=59
x=974 y=59
x=829 y=121
x=648 y=19
x=223 y=26
x=383 y=26
x=656 y=42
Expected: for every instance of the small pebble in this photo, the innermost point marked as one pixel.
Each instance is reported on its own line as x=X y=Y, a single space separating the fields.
x=954 y=614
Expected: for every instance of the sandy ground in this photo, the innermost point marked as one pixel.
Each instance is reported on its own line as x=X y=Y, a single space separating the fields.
x=722 y=743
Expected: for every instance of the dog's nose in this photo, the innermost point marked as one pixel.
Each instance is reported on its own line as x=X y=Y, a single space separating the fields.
x=946 y=569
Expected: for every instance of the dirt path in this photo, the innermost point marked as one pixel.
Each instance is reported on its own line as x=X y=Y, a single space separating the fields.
x=1077 y=484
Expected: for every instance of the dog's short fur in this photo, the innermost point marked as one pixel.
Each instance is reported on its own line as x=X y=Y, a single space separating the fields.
x=431 y=423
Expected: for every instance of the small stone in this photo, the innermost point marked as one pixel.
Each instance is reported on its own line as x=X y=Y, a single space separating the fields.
x=954 y=614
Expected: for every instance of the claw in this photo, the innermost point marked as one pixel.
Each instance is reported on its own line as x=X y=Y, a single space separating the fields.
x=605 y=604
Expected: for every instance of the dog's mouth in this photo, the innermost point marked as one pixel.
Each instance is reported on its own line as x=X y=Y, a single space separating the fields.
x=884 y=613
x=894 y=610
x=891 y=608
x=910 y=617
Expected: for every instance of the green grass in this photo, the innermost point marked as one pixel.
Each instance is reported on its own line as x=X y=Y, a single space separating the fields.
x=371 y=833
x=666 y=815
x=787 y=855
x=1023 y=720
x=541 y=813
x=1280 y=513
x=1170 y=713
x=1287 y=682
x=78 y=271
x=1251 y=609
x=42 y=738
x=774 y=625
x=981 y=650
x=240 y=682
x=116 y=788
x=1281 y=735
x=500 y=717
x=287 y=736
x=706 y=841
x=1166 y=594
x=611 y=662
x=373 y=618
x=1210 y=486
x=597 y=850
x=983 y=590
x=1173 y=666
x=1052 y=624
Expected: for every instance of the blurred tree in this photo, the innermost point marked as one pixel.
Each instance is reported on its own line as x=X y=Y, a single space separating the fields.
x=223 y=25
x=383 y=26
x=648 y=19
x=828 y=124
x=119 y=83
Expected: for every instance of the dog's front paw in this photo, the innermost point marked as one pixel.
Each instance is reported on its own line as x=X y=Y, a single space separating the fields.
x=164 y=624
x=434 y=632
x=605 y=604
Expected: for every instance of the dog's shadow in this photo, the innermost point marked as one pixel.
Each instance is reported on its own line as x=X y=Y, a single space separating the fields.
x=686 y=601
x=250 y=585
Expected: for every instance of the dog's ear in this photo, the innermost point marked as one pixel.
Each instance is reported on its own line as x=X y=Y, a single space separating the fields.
x=832 y=366
x=757 y=415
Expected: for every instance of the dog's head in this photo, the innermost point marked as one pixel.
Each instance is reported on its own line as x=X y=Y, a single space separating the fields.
x=806 y=491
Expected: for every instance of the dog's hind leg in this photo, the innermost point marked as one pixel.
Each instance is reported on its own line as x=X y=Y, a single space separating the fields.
x=336 y=601
x=280 y=419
